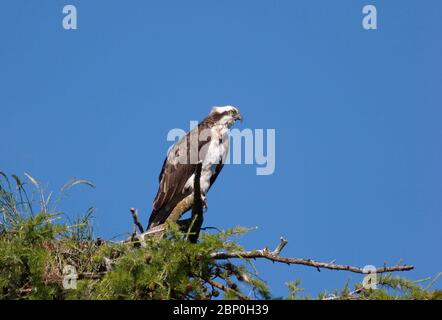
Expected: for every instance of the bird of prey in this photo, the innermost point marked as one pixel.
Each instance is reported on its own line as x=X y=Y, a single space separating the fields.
x=207 y=144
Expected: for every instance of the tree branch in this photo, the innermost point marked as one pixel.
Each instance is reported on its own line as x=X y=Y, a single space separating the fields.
x=134 y=214
x=275 y=257
x=197 y=208
x=225 y=288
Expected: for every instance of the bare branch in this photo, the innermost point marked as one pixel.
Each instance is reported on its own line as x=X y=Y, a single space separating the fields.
x=134 y=214
x=281 y=246
x=157 y=231
x=275 y=257
x=182 y=207
x=197 y=208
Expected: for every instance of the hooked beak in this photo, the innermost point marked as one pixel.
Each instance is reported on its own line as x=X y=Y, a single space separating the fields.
x=239 y=117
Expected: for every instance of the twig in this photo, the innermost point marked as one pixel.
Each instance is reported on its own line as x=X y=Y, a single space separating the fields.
x=281 y=246
x=134 y=214
x=157 y=231
x=225 y=288
x=274 y=256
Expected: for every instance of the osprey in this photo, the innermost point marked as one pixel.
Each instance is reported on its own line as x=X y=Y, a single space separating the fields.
x=207 y=144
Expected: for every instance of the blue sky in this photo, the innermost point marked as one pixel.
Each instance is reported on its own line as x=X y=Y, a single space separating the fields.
x=357 y=116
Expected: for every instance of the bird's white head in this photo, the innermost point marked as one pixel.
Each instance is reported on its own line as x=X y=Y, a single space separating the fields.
x=226 y=115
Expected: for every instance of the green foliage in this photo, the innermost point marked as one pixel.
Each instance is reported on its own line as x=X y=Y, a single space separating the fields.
x=394 y=287
x=35 y=247
x=37 y=242
x=389 y=287
x=167 y=268
x=294 y=289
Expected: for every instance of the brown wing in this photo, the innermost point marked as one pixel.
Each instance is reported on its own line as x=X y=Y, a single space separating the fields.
x=173 y=178
x=218 y=169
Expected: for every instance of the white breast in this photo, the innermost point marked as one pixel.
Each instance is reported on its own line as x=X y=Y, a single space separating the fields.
x=216 y=152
